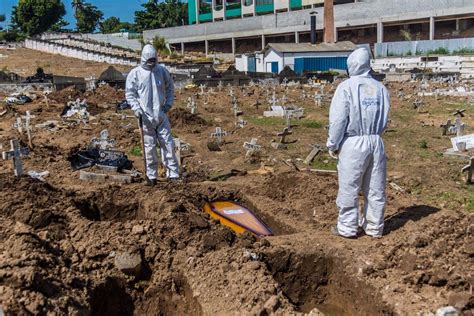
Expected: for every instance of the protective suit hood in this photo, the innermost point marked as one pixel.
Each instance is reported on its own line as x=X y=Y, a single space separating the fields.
x=148 y=52
x=358 y=63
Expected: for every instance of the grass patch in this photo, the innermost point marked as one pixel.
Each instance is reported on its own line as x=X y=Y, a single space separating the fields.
x=136 y=151
x=311 y=124
x=276 y=121
x=267 y=121
x=324 y=163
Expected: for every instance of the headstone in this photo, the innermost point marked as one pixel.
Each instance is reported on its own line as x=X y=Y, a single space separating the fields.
x=191 y=105
x=103 y=142
x=181 y=148
x=318 y=99
x=446 y=127
x=18 y=125
x=469 y=169
x=252 y=148
x=100 y=177
x=282 y=142
x=467 y=139
x=219 y=135
x=418 y=104
x=202 y=87
x=15 y=154
x=28 y=127
x=458 y=127
x=241 y=123
x=315 y=150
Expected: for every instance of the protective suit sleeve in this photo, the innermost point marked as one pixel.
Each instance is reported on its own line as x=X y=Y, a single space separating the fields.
x=386 y=101
x=169 y=88
x=338 y=119
x=131 y=93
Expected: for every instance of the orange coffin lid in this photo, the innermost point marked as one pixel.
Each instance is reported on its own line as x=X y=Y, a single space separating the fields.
x=237 y=217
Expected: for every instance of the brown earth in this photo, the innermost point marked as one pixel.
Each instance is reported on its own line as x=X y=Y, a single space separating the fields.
x=24 y=62
x=61 y=239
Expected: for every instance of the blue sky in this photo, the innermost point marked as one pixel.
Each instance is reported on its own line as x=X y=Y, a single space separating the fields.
x=123 y=9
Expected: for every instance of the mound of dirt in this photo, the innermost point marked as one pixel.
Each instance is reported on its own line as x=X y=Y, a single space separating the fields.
x=181 y=118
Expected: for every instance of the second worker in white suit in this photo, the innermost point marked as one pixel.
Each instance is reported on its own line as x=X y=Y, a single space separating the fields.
x=357 y=119
x=150 y=93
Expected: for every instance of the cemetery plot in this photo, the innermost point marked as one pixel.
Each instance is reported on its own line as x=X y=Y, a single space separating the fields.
x=96 y=240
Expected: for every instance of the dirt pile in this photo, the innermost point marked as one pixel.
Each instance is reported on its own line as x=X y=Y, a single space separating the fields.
x=180 y=118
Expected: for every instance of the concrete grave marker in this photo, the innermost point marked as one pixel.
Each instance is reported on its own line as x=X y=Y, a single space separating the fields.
x=418 y=104
x=202 y=87
x=241 y=123
x=103 y=142
x=219 y=135
x=181 y=148
x=458 y=127
x=469 y=169
x=446 y=127
x=468 y=140
x=252 y=148
x=15 y=154
x=318 y=99
x=191 y=105
x=18 y=125
x=315 y=150
x=282 y=144
x=28 y=127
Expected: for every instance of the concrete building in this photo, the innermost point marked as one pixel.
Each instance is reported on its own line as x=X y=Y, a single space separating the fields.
x=300 y=57
x=234 y=29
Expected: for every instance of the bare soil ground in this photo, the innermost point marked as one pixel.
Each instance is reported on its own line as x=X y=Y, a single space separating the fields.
x=60 y=239
x=24 y=62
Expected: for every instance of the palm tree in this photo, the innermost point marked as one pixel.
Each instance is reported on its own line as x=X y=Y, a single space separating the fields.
x=77 y=5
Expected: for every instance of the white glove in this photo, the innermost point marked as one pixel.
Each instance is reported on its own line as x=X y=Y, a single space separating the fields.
x=334 y=154
x=139 y=112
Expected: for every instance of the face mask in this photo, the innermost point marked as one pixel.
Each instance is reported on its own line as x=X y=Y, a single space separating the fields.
x=150 y=63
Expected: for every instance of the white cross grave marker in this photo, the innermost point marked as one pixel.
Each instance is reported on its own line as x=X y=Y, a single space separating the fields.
x=191 y=105
x=15 y=154
x=241 y=123
x=28 y=126
x=252 y=147
x=219 y=135
x=103 y=142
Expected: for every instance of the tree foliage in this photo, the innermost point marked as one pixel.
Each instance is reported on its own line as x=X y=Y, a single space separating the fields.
x=2 y=17
x=33 y=17
x=87 y=16
x=113 y=25
x=161 y=14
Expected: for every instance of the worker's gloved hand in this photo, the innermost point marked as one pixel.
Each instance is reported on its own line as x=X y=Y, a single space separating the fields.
x=166 y=108
x=139 y=112
x=334 y=154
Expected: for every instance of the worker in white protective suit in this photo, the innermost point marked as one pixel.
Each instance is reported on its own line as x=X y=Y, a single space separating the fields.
x=357 y=119
x=150 y=92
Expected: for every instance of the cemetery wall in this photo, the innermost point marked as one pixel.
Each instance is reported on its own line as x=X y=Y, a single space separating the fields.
x=79 y=53
x=463 y=65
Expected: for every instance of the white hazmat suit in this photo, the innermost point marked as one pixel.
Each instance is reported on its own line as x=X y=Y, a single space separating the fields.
x=357 y=119
x=150 y=93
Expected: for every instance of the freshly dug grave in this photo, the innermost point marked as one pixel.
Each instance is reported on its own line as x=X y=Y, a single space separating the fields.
x=66 y=243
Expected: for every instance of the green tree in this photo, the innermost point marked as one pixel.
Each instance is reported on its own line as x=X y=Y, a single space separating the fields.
x=2 y=17
x=33 y=17
x=58 y=26
x=110 y=25
x=87 y=16
x=161 y=14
